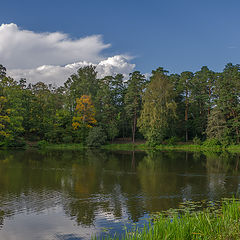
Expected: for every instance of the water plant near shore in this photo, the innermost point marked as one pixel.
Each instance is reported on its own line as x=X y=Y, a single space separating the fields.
x=211 y=223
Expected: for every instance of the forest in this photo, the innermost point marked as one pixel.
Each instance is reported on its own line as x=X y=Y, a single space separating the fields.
x=162 y=109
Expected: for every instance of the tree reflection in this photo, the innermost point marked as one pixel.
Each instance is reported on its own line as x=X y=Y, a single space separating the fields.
x=219 y=166
x=89 y=185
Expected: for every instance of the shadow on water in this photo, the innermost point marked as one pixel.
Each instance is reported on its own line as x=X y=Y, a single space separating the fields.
x=76 y=194
x=68 y=237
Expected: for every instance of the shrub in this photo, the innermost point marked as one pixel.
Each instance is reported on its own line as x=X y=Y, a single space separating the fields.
x=212 y=142
x=67 y=139
x=15 y=143
x=154 y=138
x=96 y=137
x=226 y=141
x=172 y=141
x=197 y=141
x=42 y=144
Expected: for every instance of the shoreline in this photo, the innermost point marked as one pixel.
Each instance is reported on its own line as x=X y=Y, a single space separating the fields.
x=141 y=147
x=186 y=147
x=209 y=223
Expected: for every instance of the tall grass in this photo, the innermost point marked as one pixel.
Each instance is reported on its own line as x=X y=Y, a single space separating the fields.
x=221 y=223
x=72 y=146
x=185 y=147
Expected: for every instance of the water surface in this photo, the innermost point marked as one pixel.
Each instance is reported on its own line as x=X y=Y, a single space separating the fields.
x=74 y=195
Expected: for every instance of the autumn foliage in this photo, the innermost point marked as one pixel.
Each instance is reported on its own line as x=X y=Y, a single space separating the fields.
x=85 y=113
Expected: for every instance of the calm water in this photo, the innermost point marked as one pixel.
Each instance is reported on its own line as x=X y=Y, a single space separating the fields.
x=72 y=195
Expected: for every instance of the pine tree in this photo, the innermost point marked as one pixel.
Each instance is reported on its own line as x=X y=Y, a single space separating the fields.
x=133 y=99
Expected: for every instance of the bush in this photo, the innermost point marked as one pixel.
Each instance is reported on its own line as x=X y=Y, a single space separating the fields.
x=226 y=141
x=172 y=141
x=15 y=143
x=154 y=137
x=67 y=139
x=197 y=141
x=42 y=144
x=96 y=137
x=212 y=142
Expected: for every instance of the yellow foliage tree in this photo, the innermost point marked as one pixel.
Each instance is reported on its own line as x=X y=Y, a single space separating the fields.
x=85 y=113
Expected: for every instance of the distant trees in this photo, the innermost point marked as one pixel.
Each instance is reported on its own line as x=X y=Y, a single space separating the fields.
x=201 y=105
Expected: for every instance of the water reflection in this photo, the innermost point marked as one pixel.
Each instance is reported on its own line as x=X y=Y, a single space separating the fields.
x=73 y=194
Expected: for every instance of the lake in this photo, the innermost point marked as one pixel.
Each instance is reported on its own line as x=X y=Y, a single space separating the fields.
x=73 y=195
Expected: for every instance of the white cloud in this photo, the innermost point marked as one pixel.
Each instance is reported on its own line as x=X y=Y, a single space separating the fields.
x=58 y=75
x=116 y=64
x=53 y=57
x=27 y=49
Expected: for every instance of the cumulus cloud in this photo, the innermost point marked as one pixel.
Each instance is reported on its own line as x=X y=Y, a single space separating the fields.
x=53 y=57
x=27 y=49
x=116 y=64
x=57 y=75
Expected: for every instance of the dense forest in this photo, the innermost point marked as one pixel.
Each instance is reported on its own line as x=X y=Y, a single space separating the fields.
x=200 y=106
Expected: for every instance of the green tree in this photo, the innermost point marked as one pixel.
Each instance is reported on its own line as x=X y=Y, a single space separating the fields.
x=4 y=118
x=107 y=106
x=13 y=95
x=202 y=99
x=228 y=97
x=133 y=99
x=185 y=84
x=159 y=107
x=217 y=124
x=2 y=71
x=84 y=82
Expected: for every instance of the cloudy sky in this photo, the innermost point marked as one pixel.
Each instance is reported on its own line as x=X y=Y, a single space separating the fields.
x=52 y=57
x=49 y=40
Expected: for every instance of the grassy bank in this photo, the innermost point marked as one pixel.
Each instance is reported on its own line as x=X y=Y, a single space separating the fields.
x=222 y=223
x=125 y=146
x=141 y=147
x=185 y=147
x=72 y=146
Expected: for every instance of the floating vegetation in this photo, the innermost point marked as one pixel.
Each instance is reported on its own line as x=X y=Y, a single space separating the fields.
x=192 y=220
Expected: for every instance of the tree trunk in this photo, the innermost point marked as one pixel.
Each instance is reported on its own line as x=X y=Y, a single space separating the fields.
x=134 y=127
x=209 y=100
x=237 y=133
x=236 y=128
x=186 y=120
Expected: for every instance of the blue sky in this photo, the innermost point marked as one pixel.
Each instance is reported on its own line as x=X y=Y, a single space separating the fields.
x=176 y=34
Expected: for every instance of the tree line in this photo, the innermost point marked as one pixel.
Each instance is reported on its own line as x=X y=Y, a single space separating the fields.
x=199 y=106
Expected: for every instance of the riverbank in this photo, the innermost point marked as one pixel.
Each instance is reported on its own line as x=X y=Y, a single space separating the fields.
x=182 y=147
x=220 y=223
x=141 y=147
x=62 y=146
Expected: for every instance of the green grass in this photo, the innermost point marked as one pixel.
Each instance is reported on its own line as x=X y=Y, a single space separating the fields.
x=222 y=223
x=125 y=146
x=145 y=147
x=185 y=147
x=72 y=146
x=234 y=148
